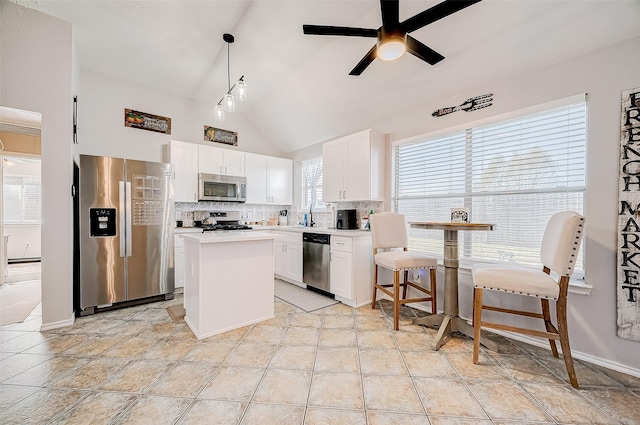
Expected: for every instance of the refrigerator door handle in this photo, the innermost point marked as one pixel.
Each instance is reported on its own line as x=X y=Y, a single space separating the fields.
x=121 y=218
x=129 y=218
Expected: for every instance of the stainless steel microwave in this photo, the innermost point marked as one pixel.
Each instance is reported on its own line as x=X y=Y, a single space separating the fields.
x=218 y=187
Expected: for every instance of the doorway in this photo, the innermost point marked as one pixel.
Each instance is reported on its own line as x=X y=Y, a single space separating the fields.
x=20 y=215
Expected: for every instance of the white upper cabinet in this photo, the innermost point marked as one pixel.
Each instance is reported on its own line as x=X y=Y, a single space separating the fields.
x=214 y=160
x=353 y=168
x=184 y=157
x=269 y=179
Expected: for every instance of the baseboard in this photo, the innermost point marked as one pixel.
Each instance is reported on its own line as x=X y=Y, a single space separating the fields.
x=58 y=324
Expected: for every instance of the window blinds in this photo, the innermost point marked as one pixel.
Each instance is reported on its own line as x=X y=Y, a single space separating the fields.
x=21 y=200
x=514 y=173
x=311 y=178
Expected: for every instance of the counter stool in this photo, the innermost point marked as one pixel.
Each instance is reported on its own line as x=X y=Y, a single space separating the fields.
x=559 y=251
x=389 y=232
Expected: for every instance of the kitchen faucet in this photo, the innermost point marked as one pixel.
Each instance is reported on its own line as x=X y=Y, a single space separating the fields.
x=311 y=222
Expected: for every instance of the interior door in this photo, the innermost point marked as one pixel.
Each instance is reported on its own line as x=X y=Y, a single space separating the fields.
x=150 y=245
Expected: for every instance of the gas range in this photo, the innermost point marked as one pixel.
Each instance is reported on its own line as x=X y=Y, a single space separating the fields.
x=224 y=221
x=219 y=226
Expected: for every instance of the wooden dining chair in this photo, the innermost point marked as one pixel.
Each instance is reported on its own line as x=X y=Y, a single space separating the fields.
x=558 y=254
x=389 y=232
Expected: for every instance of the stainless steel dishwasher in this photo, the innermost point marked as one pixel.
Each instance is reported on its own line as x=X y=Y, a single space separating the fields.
x=316 y=251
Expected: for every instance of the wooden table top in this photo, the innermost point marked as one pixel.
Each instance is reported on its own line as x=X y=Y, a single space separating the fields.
x=451 y=226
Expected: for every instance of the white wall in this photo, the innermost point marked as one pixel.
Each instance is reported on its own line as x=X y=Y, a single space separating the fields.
x=36 y=75
x=603 y=74
x=101 y=120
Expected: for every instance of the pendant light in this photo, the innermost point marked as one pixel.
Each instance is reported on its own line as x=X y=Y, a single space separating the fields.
x=228 y=101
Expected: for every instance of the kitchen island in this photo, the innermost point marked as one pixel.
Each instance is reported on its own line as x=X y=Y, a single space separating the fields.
x=228 y=280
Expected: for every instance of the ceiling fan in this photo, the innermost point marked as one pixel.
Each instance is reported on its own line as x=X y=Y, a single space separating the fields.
x=393 y=36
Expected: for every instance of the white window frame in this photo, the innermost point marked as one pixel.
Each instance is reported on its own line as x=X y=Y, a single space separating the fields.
x=578 y=279
x=311 y=181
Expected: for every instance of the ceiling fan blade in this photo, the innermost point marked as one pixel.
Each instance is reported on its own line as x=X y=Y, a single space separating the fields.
x=346 y=31
x=423 y=52
x=390 y=13
x=435 y=13
x=366 y=61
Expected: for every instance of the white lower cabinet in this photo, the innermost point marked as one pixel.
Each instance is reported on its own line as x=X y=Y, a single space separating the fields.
x=178 y=261
x=288 y=257
x=350 y=270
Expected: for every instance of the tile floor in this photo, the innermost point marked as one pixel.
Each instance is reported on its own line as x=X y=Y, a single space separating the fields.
x=337 y=366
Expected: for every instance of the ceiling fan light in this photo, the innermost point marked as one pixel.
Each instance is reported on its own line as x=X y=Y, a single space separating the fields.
x=219 y=113
x=229 y=103
x=391 y=49
x=241 y=90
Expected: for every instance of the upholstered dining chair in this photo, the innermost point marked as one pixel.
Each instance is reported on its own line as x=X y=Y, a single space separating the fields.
x=558 y=254
x=389 y=233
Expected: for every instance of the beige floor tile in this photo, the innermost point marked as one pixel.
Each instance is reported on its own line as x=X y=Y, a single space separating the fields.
x=334 y=417
x=184 y=380
x=171 y=349
x=413 y=341
x=505 y=400
x=443 y=420
x=154 y=410
x=376 y=339
x=272 y=414
x=130 y=348
x=94 y=346
x=337 y=390
x=233 y=383
x=56 y=344
x=251 y=354
x=449 y=397
x=7 y=334
x=96 y=409
x=621 y=404
x=282 y=386
x=369 y=323
x=524 y=368
x=294 y=357
x=295 y=335
x=338 y=309
x=161 y=330
x=376 y=418
x=11 y=394
x=306 y=320
x=24 y=342
x=40 y=407
x=211 y=351
x=138 y=376
x=213 y=412
x=14 y=364
x=91 y=375
x=279 y=320
x=337 y=359
x=587 y=376
x=485 y=369
x=48 y=371
x=429 y=363
x=366 y=310
x=338 y=338
x=391 y=394
x=281 y=307
x=381 y=362
x=265 y=333
x=338 y=322
x=628 y=381
x=126 y=328
x=566 y=405
x=458 y=343
x=153 y=314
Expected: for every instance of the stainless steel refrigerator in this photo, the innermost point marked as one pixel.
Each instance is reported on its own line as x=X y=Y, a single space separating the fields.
x=124 y=232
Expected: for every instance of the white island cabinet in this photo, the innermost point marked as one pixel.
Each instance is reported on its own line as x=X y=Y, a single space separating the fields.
x=228 y=280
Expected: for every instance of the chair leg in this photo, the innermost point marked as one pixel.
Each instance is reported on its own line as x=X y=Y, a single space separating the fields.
x=432 y=280
x=396 y=299
x=404 y=288
x=477 y=320
x=564 y=343
x=375 y=288
x=549 y=326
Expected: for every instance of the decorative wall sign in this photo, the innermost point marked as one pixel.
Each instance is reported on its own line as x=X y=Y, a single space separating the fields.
x=145 y=121
x=471 y=104
x=212 y=134
x=628 y=276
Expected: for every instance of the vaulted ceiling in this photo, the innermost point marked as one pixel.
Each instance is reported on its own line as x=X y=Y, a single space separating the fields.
x=300 y=90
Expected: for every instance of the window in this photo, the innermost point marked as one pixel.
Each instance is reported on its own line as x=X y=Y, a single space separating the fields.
x=311 y=178
x=514 y=173
x=21 y=197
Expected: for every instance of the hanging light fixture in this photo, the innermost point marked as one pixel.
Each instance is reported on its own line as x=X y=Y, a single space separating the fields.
x=228 y=101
